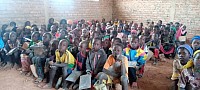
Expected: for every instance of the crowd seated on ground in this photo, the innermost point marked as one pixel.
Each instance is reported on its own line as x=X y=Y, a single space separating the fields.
x=106 y=54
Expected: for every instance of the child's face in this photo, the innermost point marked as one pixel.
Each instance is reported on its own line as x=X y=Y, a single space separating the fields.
x=106 y=43
x=183 y=56
x=51 y=21
x=46 y=38
x=84 y=32
x=82 y=47
x=196 y=44
x=142 y=40
x=76 y=42
x=54 y=45
x=124 y=38
x=53 y=29
x=35 y=37
x=197 y=60
x=62 y=34
x=117 y=50
x=5 y=36
x=96 y=45
x=63 y=46
x=134 y=43
x=13 y=36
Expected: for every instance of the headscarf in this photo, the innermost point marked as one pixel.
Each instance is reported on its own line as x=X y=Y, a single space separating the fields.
x=188 y=48
x=28 y=27
x=195 y=53
x=195 y=38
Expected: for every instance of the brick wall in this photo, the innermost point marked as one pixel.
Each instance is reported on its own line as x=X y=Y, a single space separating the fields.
x=184 y=11
x=39 y=11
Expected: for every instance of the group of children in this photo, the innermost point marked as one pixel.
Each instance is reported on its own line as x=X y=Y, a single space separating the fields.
x=112 y=53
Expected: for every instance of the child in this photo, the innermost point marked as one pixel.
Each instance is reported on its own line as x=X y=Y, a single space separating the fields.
x=3 y=50
x=40 y=53
x=185 y=52
x=81 y=60
x=107 y=45
x=14 y=59
x=54 y=31
x=85 y=34
x=116 y=68
x=124 y=40
x=96 y=58
x=189 y=79
x=64 y=63
x=51 y=21
x=195 y=46
x=74 y=49
x=135 y=54
x=62 y=34
x=196 y=43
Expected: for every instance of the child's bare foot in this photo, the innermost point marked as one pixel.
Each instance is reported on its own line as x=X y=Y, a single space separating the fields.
x=28 y=74
x=40 y=85
x=38 y=80
x=47 y=86
x=134 y=85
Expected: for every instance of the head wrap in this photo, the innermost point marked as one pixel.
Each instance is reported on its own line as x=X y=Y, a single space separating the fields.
x=28 y=27
x=195 y=53
x=195 y=38
x=187 y=47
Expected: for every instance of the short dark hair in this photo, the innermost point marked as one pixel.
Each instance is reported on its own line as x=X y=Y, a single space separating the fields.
x=120 y=45
x=117 y=39
x=98 y=38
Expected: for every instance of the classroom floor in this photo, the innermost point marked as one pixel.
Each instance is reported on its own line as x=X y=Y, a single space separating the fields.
x=155 y=78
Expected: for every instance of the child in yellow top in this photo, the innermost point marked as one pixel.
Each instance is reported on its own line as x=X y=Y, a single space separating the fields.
x=64 y=62
x=185 y=52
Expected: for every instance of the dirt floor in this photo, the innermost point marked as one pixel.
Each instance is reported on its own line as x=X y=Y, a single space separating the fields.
x=155 y=78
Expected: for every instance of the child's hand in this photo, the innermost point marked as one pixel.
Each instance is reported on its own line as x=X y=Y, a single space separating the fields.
x=195 y=83
x=137 y=67
x=50 y=62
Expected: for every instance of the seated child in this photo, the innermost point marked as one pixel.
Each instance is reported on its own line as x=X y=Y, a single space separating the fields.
x=195 y=46
x=116 y=69
x=185 y=52
x=81 y=61
x=190 y=77
x=107 y=45
x=3 y=50
x=85 y=34
x=64 y=64
x=135 y=54
x=124 y=40
x=74 y=49
x=96 y=59
x=40 y=53
x=62 y=34
x=13 y=59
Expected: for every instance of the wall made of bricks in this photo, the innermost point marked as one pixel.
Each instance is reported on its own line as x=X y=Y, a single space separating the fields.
x=184 y=11
x=39 y=11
